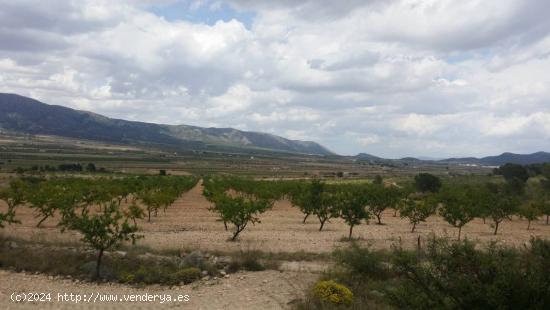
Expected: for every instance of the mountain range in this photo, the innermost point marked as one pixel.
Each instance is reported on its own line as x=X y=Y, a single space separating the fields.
x=25 y=115
x=521 y=159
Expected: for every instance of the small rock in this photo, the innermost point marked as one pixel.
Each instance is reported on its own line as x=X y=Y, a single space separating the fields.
x=206 y=278
x=204 y=273
x=13 y=245
x=223 y=273
x=222 y=262
x=226 y=276
x=121 y=253
x=194 y=259
x=264 y=281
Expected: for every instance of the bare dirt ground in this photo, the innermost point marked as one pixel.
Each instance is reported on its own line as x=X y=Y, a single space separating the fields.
x=189 y=225
x=248 y=290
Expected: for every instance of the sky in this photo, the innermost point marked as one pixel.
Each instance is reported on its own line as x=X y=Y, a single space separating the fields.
x=393 y=78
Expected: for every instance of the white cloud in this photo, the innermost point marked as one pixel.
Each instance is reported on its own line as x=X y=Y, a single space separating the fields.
x=368 y=140
x=404 y=76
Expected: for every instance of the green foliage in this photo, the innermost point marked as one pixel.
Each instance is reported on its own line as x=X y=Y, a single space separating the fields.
x=497 y=203
x=238 y=208
x=458 y=207
x=378 y=180
x=380 y=198
x=307 y=196
x=240 y=211
x=13 y=196
x=425 y=182
x=453 y=275
x=360 y=263
x=417 y=208
x=531 y=210
x=446 y=275
x=351 y=205
x=328 y=207
x=332 y=293
x=513 y=171
x=102 y=230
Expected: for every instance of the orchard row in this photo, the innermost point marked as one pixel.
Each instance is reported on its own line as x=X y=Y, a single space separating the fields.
x=93 y=207
x=240 y=202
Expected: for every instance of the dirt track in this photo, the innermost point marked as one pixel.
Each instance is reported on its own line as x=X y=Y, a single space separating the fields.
x=250 y=290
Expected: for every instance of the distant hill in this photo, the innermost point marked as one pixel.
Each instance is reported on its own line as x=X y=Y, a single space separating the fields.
x=26 y=115
x=522 y=159
x=368 y=157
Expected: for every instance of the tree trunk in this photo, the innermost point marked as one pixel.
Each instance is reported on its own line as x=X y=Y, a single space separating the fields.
x=496 y=227
x=42 y=220
x=459 y=231
x=395 y=212
x=235 y=234
x=547 y=219
x=98 y=264
x=378 y=216
x=484 y=221
x=305 y=218
x=322 y=224
x=225 y=225
x=528 y=224
x=414 y=226
x=350 y=231
x=149 y=215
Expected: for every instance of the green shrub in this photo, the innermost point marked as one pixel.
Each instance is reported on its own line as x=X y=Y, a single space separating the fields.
x=332 y=293
x=186 y=275
x=361 y=263
x=460 y=276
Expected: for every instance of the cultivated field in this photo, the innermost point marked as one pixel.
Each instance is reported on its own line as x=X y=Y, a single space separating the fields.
x=301 y=251
x=189 y=225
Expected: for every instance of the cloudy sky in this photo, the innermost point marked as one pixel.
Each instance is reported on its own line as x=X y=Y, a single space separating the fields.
x=393 y=78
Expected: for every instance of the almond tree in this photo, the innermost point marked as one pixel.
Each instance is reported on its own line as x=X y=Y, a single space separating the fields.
x=351 y=204
x=13 y=196
x=500 y=204
x=327 y=208
x=457 y=209
x=307 y=197
x=531 y=210
x=103 y=230
x=239 y=211
x=417 y=208
x=381 y=198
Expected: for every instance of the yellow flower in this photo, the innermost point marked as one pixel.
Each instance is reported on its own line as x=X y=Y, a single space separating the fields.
x=332 y=292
